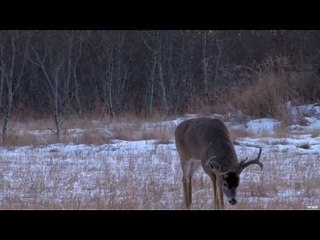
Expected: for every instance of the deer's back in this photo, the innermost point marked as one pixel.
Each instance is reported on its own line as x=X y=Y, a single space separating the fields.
x=193 y=137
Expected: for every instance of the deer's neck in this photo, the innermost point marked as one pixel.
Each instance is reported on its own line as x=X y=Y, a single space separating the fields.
x=223 y=152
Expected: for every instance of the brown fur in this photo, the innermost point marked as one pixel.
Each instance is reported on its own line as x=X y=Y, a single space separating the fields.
x=205 y=141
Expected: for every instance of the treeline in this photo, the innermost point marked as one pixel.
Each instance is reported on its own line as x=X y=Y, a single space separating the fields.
x=61 y=73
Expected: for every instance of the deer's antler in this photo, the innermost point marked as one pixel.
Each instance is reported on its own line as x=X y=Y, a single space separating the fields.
x=244 y=163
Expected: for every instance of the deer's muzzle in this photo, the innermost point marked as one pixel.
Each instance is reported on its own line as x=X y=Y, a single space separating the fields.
x=233 y=201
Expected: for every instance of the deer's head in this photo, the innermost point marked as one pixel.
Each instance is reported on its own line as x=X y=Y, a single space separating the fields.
x=229 y=179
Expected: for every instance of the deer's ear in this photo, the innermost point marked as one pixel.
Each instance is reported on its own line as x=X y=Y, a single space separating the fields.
x=215 y=166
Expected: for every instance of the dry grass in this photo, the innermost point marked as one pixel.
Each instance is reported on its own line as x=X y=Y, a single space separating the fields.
x=315 y=133
x=279 y=142
x=49 y=180
x=264 y=91
x=86 y=131
x=124 y=131
x=134 y=132
x=282 y=131
x=15 y=139
x=280 y=187
x=240 y=133
x=54 y=185
x=93 y=136
x=43 y=182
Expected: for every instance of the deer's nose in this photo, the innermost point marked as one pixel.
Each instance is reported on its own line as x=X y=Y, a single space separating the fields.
x=233 y=201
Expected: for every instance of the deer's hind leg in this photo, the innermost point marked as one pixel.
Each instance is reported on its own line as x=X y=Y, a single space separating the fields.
x=194 y=166
x=186 y=180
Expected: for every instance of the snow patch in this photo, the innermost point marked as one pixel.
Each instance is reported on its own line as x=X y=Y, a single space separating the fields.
x=262 y=125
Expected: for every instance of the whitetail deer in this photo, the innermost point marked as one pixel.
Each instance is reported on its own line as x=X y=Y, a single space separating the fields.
x=206 y=141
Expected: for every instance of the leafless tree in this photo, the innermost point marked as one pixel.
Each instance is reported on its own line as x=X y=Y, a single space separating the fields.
x=14 y=47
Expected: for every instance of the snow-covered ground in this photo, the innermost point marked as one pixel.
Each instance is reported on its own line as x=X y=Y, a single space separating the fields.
x=146 y=174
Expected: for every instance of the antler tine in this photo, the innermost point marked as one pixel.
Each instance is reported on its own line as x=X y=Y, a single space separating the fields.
x=243 y=164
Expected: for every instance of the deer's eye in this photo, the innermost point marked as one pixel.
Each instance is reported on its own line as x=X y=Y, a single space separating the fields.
x=225 y=184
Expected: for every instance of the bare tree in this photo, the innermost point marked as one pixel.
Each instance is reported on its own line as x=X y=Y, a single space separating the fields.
x=74 y=72
x=112 y=68
x=150 y=42
x=205 y=63
x=75 y=75
x=52 y=59
x=13 y=54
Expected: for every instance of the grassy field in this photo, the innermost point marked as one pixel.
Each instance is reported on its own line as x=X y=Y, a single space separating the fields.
x=135 y=166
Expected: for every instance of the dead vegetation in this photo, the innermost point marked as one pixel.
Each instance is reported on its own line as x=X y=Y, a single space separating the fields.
x=49 y=180
x=88 y=131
